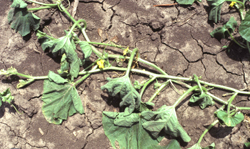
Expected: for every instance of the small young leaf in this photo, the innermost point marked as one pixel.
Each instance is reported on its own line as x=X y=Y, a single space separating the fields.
x=21 y=20
x=6 y=96
x=164 y=119
x=86 y=49
x=203 y=99
x=185 y=2
x=229 y=120
x=215 y=11
x=23 y=83
x=221 y=32
x=64 y=69
x=198 y=146
x=129 y=133
x=137 y=85
x=60 y=100
x=10 y=71
x=130 y=97
x=18 y=4
x=244 y=28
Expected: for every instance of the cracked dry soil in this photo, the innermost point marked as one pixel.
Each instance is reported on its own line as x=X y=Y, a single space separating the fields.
x=175 y=38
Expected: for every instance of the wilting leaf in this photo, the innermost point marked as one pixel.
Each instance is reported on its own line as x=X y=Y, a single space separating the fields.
x=65 y=45
x=64 y=69
x=230 y=120
x=244 y=28
x=204 y=100
x=130 y=97
x=86 y=49
x=221 y=32
x=215 y=5
x=128 y=132
x=21 y=20
x=60 y=99
x=164 y=119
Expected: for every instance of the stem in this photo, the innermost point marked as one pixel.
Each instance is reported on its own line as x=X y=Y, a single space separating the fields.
x=235 y=40
x=240 y=11
x=243 y=108
x=158 y=90
x=203 y=134
x=84 y=77
x=39 y=8
x=31 y=77
x=196 y=79
x=131 y=61
x=248 y=47
x=184 y=95
x=106 y=44
x=16 y=109
x=44 y=4
x=146 y=84
x=230 y=101
x=77 y=23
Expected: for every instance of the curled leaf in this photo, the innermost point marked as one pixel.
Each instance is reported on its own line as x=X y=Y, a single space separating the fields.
x=164 y=119
x=86 y=49
x=130 y=97
x=203 y=99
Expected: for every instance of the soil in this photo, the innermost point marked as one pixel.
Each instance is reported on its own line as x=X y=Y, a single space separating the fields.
x=175 y=38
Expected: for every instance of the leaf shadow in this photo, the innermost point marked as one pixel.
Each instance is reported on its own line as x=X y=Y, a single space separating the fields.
x=237 y=53
x=113 y=101
x=219 y=131
x=7 y=105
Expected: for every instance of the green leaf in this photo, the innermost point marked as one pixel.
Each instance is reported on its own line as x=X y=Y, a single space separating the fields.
x=198 y=146
x=203 y=99
x=65 y=45
x=18 y=4
x=244 y=28
x=55 y=78
x=215 y=5
x=61 y=100
x=128 y=132
x=6 y=96
x=221 y=32
x=229 y=120
x=185 y=2
x=130 y=97
x=164 y=119
x=86 y=49
x=247 y=144
x=23 y=21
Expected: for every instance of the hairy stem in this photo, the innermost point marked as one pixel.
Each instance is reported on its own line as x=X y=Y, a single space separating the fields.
x=146 y=84
x=44 y=4
x=230 y=101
